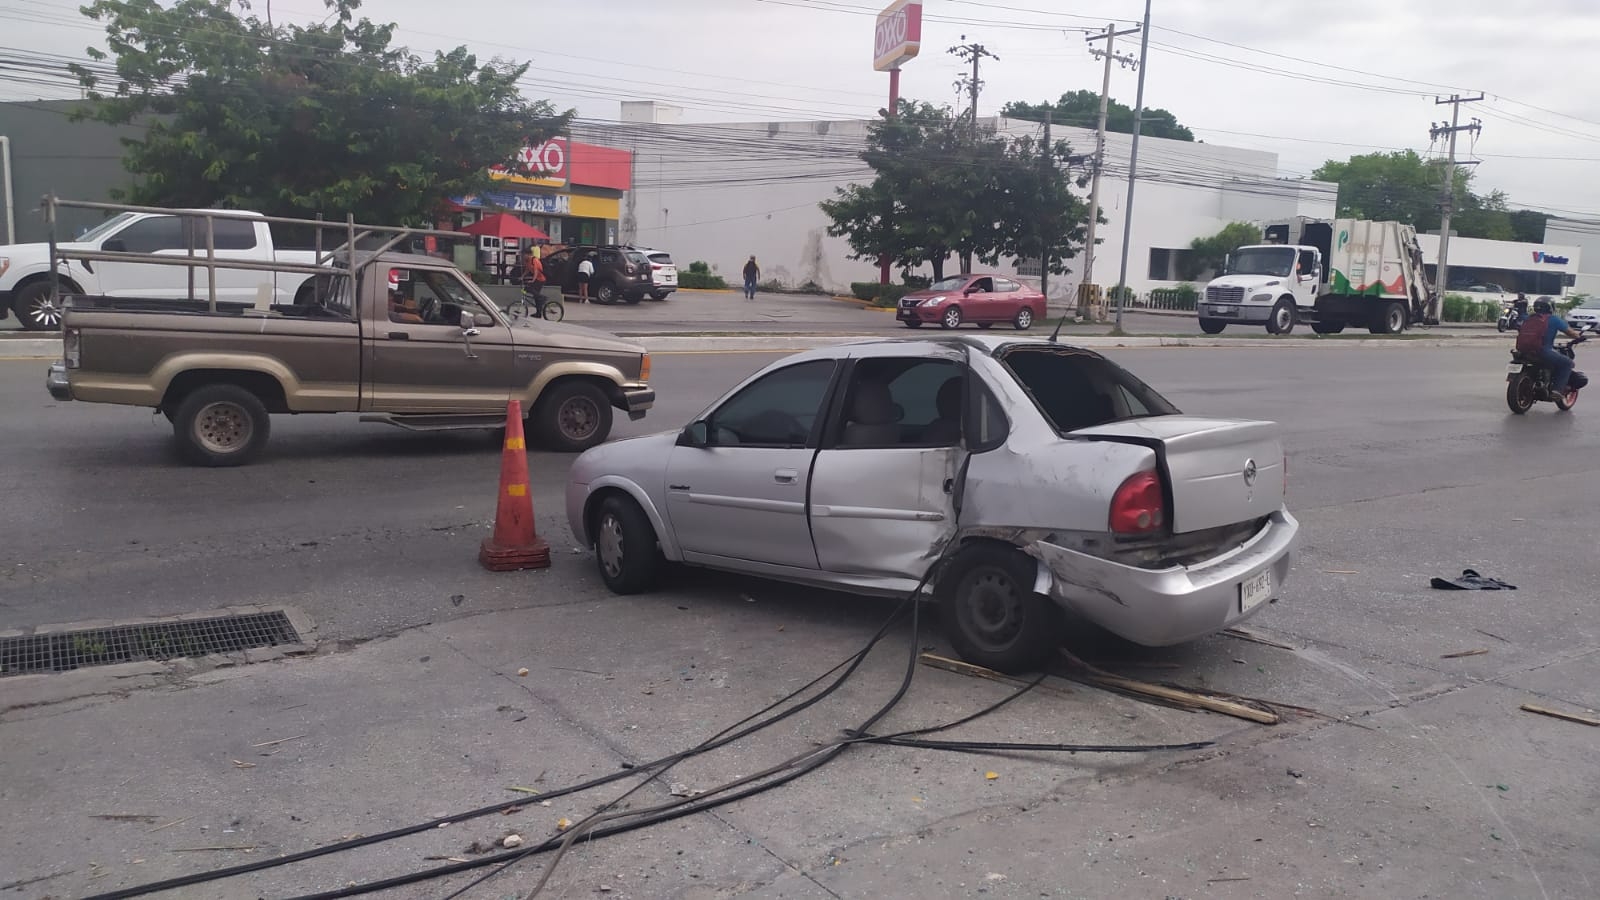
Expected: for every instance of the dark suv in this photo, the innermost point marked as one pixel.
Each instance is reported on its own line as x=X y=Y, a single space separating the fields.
x=619 y=273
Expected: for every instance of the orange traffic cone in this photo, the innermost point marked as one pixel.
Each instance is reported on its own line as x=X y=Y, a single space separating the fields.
x=515 y=543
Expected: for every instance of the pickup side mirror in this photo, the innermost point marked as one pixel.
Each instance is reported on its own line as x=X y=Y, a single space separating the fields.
x=114 y=245
x=469 y=325
x=482 y=320
x=696 y=434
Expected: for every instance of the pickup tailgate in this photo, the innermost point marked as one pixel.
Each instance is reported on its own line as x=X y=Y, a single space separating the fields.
x=1219 y=471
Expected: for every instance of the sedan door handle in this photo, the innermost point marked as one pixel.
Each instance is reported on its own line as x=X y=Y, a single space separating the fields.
x=785 y=476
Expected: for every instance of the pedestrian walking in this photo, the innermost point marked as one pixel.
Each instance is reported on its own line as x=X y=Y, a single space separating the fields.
x=585 y=272
x=752 y=274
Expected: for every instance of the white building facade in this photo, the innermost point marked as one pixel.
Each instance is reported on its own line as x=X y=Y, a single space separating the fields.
x=722 y=192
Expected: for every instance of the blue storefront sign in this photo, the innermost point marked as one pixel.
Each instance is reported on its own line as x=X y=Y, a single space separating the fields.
x=516 y=201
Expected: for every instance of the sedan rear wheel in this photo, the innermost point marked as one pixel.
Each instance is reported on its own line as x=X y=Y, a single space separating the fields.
x=1024 y=319
x=992 y=616
x=951 y=318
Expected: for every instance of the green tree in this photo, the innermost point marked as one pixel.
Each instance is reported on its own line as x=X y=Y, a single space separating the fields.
x=941 y=187
x=1528 y=226
x=1398 y=186
x=1082 y=109
x=295 y=120
x=1206 y=254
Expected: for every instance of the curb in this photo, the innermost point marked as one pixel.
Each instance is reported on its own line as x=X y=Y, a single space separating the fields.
x=48 y=348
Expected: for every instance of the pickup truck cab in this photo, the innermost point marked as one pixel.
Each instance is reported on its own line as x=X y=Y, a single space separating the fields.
x=407 y=341
x=25 y=268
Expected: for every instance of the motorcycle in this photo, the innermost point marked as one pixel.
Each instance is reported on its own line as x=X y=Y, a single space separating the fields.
x=1511 y=319
x=1528 y=380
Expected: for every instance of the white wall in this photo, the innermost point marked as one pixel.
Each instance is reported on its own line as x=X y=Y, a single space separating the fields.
x=721 y=192
x=1585 y=235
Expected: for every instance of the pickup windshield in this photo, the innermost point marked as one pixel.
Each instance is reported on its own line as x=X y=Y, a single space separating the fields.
x=1275 y=261
x=1076 y=389
x=106 y=227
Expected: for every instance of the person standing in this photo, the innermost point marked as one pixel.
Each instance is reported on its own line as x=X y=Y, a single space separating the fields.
x=585 y=273
x=752 y=274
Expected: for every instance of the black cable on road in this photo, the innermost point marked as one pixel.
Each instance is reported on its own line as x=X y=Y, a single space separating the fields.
x=728 y=735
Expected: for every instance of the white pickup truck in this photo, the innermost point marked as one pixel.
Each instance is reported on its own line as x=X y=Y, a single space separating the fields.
x=25 y=268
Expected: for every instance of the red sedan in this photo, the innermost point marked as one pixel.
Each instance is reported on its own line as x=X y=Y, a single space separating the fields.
x=980 y=299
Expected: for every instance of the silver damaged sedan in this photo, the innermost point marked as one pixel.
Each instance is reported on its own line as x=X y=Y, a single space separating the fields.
x=1040 y=476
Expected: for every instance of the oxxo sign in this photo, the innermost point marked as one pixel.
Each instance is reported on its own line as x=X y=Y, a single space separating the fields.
x=545 y=164
x=898 y=36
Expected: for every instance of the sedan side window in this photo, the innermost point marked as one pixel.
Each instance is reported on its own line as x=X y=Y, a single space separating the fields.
x=1006 y=286
x=778 y=410
x=903 y=402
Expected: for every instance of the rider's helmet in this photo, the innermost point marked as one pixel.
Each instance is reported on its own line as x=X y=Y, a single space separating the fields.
x=1543 y=307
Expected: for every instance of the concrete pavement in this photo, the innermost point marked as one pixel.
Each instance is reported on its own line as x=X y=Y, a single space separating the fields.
x=1419 y=778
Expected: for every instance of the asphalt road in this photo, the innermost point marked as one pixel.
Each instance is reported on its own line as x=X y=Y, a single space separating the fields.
x=1405 y=464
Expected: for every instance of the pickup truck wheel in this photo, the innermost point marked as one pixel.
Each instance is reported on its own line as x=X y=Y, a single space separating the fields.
x=625 y=546
x=574 y=416
x=221 y=425
x=992 y=616
x=1282 y=320
x=1212 y=326
x=35 y=308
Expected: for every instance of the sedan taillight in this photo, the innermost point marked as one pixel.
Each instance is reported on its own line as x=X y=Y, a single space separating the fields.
x=1137 y=507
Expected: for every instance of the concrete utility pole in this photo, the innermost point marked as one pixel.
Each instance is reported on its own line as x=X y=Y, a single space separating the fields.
x=972 y=53
x=1447 y=204
x=1047 y=161
x=1133 y=163
x=1109 y=36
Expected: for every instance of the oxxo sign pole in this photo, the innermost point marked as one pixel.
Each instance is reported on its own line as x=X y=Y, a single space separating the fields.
x=897 y=38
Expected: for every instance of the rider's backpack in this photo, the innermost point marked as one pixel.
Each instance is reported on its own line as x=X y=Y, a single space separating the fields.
x=1530 y=336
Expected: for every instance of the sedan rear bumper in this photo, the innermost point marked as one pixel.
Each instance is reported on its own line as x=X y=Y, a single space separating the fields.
x=1159 y=607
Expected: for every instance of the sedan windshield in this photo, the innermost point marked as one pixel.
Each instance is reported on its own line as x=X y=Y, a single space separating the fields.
x=949 y=284
x=1275 y=261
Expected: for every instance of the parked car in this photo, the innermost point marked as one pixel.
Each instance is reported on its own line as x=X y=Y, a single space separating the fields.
x=977 y=298
x=414 y=344
x=1044 y=475
x=620 y=273
x=25 y=268
x=1585 y=314
x=663 y=273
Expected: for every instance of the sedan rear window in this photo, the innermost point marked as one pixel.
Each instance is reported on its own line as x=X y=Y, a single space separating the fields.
x=1076 y=389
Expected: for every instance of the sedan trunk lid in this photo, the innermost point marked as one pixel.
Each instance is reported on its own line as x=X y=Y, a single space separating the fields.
x=1217 y=471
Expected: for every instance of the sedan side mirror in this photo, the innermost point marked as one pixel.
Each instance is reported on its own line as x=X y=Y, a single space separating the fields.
x=697 y=434
x=482 y=320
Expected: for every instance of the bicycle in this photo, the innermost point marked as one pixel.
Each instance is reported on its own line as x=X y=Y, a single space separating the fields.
x=534 y=304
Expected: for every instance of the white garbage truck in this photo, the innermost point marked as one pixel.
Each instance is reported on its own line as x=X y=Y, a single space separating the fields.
x=1326 y=273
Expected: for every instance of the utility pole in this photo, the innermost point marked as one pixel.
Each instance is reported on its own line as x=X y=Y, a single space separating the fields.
x=1447 y=204
x=1048 y=163
x=1109 y=36
x=1133 y=165
x=972 y=53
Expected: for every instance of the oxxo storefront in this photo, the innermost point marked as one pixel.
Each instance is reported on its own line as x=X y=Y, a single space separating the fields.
x=567 y=189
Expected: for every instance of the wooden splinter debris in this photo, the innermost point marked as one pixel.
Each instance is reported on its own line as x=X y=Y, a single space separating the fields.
x=1476 y=651
x=1558 y=714
x=1253 y=637
x=1168 y=694
x=933 y=660
x=278 y=741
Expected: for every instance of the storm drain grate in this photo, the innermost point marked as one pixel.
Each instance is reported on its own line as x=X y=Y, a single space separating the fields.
x=67 y=650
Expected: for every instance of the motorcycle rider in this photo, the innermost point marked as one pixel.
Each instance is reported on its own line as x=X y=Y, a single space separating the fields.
x=1545 y=326
x=1520 y=307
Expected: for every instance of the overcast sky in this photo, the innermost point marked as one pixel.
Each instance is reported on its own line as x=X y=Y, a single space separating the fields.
x=1240 y=73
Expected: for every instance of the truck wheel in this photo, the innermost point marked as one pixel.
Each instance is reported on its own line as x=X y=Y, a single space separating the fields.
x=1327 y=327
x=1391 y=319
x=573 y=416
x=221 y=425
x=625 y=546
x=35 y=308
x=1212 y=326
x=991 y=614
x=1282 y=320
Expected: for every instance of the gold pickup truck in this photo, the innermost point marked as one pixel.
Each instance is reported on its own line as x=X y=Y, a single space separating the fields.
x=407 y=341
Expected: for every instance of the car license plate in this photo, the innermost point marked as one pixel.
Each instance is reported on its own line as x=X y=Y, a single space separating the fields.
x=1514 y=368
x=1255 y=590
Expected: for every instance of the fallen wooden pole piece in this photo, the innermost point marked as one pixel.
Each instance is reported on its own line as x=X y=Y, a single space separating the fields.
x=1255 y=638
x=933 y=660
x=1558 y=714
x=1191 y=699
x=1477 y=651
